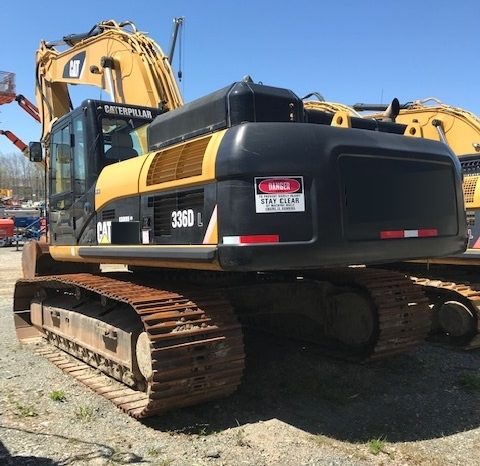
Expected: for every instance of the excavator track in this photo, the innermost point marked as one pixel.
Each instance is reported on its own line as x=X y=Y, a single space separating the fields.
x=356 y=314
x=467 y=294
x=195 y=341
x=403 y=314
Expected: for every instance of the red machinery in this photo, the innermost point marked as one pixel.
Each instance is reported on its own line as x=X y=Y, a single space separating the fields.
x=7 y=227
x=7 y=87
x=8 y=95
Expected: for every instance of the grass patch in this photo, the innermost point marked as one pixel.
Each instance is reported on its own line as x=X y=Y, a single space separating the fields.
x=376 y=445
x=470 y=382
x=25 y=410
x=153 y=452
x=322 y=440
x=202 y=430
x=240 y=438
x=57 y=395
x=165 y=462
x=84 y=413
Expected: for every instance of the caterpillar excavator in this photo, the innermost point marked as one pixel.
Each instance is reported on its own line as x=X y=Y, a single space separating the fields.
x=240 y=206
x=452 y=283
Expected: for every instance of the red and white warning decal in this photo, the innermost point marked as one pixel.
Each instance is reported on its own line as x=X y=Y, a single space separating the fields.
x=279 y=194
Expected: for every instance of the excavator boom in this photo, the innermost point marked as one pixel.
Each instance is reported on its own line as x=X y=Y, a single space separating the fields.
x=112 y=56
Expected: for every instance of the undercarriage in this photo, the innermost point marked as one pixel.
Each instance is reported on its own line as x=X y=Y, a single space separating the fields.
x=150 y=347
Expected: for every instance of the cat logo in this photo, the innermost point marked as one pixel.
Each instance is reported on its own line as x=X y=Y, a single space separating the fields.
x=74 y=67
x=74 y=71
x=104 y=232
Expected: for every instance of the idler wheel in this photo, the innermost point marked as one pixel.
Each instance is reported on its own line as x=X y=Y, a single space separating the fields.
x=456 y=319
x=144 y=356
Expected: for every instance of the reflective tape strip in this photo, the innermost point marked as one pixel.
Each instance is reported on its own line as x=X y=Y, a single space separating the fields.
x=251 y=239
x=395 y=234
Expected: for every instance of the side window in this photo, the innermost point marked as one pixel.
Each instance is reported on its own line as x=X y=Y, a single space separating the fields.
x=79 y=157
x=117 y=140
x=139 y=138
x=61 y=162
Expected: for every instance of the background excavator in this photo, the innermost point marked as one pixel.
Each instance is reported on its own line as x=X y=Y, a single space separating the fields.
x=242 y=204
x=452 y=283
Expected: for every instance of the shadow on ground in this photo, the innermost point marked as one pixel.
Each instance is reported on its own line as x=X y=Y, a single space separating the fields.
x=97 y=453
x=8 y=460
x=410 y=397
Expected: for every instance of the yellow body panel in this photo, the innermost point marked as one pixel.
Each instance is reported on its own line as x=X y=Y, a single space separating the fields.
x=129 y=178
x=119 y=180
x=208 y=166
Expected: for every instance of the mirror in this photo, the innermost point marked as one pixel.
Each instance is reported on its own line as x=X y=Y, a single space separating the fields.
x=35 y=151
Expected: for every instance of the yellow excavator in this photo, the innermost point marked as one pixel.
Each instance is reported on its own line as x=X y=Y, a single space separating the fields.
x=452 y=283
x=242 y=205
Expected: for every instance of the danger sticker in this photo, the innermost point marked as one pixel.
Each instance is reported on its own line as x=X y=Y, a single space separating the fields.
x=279 y=194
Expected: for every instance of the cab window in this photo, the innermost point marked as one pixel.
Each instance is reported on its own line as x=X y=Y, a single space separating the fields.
x=123 y=138
x=61 y=170
x=79 y=156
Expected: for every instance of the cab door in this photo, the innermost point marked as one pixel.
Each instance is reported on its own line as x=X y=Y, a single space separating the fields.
x=61 y=192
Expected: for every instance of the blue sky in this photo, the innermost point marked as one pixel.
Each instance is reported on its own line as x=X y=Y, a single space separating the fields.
x=349 y=51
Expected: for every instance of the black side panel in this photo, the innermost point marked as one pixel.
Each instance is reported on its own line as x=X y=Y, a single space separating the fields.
x=230 y=106
x=125 y=232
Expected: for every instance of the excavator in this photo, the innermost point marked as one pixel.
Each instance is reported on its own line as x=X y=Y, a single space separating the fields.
x=451 y=283
x=242 y=207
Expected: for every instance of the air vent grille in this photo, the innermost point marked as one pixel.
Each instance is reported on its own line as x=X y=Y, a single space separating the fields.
x=108 y=214
x=469 y=185
x=178 y=162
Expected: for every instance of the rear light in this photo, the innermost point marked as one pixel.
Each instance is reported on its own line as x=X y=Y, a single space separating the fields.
x=395 y=234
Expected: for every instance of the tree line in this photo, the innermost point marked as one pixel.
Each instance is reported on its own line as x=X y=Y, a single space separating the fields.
x=25 y=178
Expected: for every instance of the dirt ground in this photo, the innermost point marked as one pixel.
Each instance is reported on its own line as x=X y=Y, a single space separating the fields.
x=295 y=407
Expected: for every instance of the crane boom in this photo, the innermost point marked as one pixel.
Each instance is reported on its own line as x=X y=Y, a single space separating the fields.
x=15 y=140
x=28 y=106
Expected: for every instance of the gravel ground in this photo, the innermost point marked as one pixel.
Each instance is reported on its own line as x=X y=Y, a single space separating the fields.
x=295 y=407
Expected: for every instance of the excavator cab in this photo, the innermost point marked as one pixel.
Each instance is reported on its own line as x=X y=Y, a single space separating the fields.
x=81 y=144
